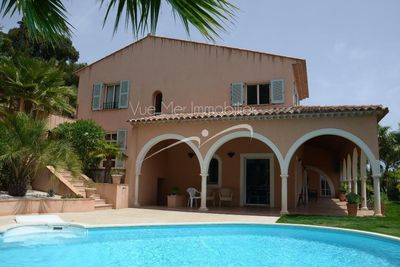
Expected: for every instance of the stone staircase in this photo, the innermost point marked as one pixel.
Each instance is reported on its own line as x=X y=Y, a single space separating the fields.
x=78 y=185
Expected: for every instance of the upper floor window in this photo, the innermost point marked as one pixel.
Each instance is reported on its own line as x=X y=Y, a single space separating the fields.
x=157 y=102
x=112 y=96
x=257 y=94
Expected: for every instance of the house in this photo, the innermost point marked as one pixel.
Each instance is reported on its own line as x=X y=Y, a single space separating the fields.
x=191 y=114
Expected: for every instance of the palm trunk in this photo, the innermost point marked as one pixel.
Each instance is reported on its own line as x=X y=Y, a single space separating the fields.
x=21 y=105
x=107 y=170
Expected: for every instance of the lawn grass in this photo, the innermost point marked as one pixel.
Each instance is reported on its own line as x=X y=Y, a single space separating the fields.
x=389 y=224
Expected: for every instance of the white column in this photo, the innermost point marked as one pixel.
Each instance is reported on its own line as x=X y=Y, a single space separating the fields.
x=203 y=205
x=305 y=186
x=284 y=209
x=354 y=170
x=344 y=175
x=136 y=202
x=363 y=175
x=349 y=177
x=377 y=195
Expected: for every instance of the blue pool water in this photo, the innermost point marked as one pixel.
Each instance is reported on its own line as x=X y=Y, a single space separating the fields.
x=201 y=245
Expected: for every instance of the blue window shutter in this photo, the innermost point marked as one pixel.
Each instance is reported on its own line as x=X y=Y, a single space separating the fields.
x=237 y=94
x=96 y=96
x=277 y=91
x=123 y=101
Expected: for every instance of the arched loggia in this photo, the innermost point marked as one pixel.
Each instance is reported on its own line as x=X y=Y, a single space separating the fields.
x=375 y=164
x=149 y=145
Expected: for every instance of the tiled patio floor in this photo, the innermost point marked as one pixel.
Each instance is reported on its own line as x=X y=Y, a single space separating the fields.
x=322 y=206
x=163 y=215
x=144 y=216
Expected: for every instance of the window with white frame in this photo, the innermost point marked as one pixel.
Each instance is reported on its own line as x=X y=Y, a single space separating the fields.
x=257 y=94
x=111 y=96
x=118 y=138
x=325 y=189
x=214 y=172
x=110 y=138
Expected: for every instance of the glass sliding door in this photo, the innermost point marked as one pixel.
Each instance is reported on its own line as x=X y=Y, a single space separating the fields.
x=257 y=181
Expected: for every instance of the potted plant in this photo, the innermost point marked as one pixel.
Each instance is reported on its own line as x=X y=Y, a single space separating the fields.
x=90 y=188
x=116 y=175
x=174 y=199
x=371 y=202
x=352 y=203
x=342 y=191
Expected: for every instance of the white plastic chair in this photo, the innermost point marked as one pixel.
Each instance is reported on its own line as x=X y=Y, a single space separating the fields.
x=225 y=194
x=194 y=194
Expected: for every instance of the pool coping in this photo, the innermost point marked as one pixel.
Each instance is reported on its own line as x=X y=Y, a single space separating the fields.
x=100 y=226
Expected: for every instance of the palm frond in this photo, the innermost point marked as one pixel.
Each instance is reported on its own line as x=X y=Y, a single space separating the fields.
x=43 y=18
x=209 y=17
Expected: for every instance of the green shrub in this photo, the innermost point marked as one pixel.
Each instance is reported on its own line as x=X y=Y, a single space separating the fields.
x=71 y=196
x=353 y=198
x=343 y=187
x=25 y=148
x=85 y=136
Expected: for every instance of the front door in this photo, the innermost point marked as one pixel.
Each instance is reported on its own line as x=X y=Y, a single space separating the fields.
x=257 y=181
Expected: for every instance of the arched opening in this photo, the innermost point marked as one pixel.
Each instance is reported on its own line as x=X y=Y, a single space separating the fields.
x=320 y=180
x=157 y=101
x=167 y=165
x=328 y=160
x=250 y=170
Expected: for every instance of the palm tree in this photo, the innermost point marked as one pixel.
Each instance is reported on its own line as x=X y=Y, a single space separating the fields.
x=108 y=151
x=25 y=149
x=33 y=86
x=48 y=18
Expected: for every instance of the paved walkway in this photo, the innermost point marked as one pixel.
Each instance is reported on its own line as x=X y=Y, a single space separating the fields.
x=147 y=216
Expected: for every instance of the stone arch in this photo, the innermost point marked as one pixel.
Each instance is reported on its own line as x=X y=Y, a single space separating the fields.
x=146 y=148
x=226 y=138
x=338 y=132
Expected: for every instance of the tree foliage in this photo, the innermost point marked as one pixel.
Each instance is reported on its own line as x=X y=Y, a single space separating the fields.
x=25 y=149
x=17 y=42
x=108 y=151
x=389 y=151
x=34 y=86
x=85 y=136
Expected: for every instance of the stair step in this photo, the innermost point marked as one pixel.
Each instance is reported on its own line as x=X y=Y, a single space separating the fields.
x=99 y=201
x=103 y=206
x=95 y=196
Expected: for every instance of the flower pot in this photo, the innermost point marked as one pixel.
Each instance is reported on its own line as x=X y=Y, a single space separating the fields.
x=342 y=196
x=352 y=209
x=90 y=192
x=116 y=178
x=176 y=201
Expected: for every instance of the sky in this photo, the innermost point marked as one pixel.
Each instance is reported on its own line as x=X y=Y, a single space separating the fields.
x=352 y=48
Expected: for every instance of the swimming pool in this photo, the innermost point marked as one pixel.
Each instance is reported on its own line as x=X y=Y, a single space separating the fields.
x=202 y=245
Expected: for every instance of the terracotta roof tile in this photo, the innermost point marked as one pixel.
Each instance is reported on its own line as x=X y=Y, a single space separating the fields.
x=266 y=112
